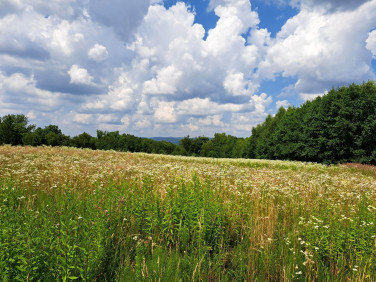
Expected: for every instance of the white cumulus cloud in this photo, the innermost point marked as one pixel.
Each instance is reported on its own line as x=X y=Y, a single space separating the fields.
x=164 y=83
x=98 y=53
x=282 y=104
x=322 y=50
x=79 y=75
x=83 y=118
x=235 y=84
x=150 y=68
x=371 y=42
x=165 y=112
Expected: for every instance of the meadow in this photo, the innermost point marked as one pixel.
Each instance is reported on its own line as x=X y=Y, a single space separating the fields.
x=77 y=214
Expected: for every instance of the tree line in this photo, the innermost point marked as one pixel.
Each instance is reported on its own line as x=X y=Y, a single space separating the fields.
x=338 y=127
x=15 y=130
x=335 y=128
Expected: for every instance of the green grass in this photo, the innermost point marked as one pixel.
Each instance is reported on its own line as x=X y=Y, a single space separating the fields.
x=68 y=214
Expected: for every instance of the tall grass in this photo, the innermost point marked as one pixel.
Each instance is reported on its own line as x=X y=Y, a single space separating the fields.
x=68 y=214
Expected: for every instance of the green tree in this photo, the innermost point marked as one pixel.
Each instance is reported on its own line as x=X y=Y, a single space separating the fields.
x=186 y=143
x=108 y=140
x=13 y=128
x=34 y=138
x=196 y=145
x=338 y=127
x=53 y=135
x=208 y=150
x=84 y=140
x=239 y=149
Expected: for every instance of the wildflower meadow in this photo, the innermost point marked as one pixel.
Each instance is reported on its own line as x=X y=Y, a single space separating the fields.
x=77 y=214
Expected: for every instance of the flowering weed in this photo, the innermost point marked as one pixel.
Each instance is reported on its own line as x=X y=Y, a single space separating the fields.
x=70 y=214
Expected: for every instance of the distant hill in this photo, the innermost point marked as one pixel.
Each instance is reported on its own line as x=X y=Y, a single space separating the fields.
x=173 y=140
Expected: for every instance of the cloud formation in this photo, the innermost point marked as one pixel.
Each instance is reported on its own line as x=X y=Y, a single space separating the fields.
x=80 y=75
x=323 y=50
x=140 y=67
x=122 y=16
x=324 y=5
x=371 y=42
x=98 y=53
x=330 y=5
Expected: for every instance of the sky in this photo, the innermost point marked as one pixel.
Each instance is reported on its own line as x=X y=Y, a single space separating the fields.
x=177 y=68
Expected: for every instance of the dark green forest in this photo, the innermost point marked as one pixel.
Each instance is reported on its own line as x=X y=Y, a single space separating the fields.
x=338 y=127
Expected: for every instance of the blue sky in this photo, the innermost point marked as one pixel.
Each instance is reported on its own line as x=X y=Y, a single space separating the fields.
x=173 y=68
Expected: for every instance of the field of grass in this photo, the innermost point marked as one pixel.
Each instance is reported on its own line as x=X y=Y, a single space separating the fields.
x=70 y=214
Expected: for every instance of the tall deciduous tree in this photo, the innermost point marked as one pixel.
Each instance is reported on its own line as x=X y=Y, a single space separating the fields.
x=13 y=128
x=338 y=127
